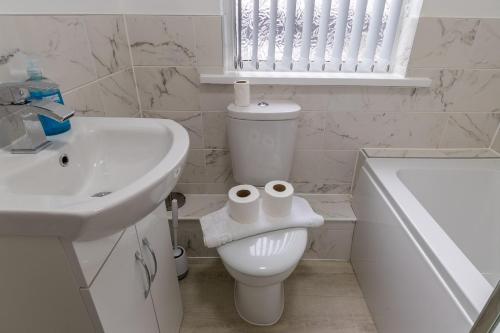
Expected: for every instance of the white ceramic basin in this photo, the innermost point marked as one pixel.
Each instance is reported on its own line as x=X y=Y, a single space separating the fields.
x=138 y=161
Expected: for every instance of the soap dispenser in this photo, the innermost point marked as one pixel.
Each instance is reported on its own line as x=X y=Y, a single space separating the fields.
x=41 y=88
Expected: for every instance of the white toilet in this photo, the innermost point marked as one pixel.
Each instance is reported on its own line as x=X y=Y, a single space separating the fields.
x=262 y=141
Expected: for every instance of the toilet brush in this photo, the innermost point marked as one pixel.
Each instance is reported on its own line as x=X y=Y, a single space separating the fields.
x=181 y=264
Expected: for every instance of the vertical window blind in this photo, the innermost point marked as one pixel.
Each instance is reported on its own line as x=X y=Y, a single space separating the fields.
x=316 y=35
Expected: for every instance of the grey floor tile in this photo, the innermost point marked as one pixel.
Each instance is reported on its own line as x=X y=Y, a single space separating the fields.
x=320 y=297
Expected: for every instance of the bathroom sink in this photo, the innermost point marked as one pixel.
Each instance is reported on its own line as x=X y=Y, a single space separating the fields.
x=100 y=177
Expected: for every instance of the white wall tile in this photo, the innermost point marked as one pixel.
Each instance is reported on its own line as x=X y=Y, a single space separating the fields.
x=310 y=98
x=208 y=32
x=218 y=166
x=86 y=101
x=354 y=130
x=330 y=241
x=215 y=97
x=322 y=171
x=456 y=43
x=472 y=130
x=214 y=129
x=108 y=43
x=118 y=95
x=368 y=99
x=495 y=144
x=338 y=166
x=444 y=42
x=169 y=88
x=486 y=50
x=161 y=40
x=194 y=170
x=59 y=43
x=311 y=130
x=456 y=90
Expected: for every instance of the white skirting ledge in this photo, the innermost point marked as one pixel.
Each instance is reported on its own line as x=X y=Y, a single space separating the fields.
x=431 y=153
x=333 y=207
x=318 y=79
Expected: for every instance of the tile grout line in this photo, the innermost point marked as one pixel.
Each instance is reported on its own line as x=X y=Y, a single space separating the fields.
x=127 y=35
x=443 y=134
x=72 y=90
x=494 y=138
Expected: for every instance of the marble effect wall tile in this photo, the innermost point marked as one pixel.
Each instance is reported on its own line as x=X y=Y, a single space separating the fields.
x=214 y=129
x=321 y=171
x=218 y=166
x=59 y=43
x=310 y=98
x=495 y=143
x=311 y=130
x=338 y=166
x=444 y=42
x=191 y=239
x=108 y=43
x=194 y=170
x=486 y=44
x=86 y=101
x=456 y=43
x=208 y=31
x=119 y=95
x=350 y=130
x=191 y=120
x=369 y=99
x=456 y=90
x=473 y=130
x=168 y=89
x=330 y=241
x=112 y=96
x=216 y=97
x=162 y=40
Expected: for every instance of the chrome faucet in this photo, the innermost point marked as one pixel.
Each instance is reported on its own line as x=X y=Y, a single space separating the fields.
x=14 y=97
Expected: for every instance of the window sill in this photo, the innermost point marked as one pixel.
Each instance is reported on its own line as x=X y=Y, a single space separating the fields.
x=317 y=79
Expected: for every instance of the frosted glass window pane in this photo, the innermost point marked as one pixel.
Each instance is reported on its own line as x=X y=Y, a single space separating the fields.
x=264 y=27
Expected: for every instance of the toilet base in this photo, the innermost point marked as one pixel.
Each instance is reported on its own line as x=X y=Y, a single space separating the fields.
x=260 y=306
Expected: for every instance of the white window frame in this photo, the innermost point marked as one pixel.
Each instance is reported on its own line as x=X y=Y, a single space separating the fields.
x=397 y=78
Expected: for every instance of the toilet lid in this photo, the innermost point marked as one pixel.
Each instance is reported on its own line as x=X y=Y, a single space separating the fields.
x=266 y=254
x=265 y=110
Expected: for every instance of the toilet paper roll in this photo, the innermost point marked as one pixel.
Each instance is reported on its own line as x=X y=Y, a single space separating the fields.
x=244 y=203
x=277 y=198
x=242 y=93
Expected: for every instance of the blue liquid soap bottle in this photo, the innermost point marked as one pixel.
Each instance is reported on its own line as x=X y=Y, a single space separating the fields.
x=42 y=88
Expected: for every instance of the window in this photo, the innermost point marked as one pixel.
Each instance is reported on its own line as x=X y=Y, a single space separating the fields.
x=316 y=35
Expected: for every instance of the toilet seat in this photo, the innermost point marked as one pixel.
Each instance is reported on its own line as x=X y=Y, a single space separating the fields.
x=267 y=254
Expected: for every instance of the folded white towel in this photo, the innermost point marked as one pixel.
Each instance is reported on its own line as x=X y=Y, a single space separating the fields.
x=219 y=228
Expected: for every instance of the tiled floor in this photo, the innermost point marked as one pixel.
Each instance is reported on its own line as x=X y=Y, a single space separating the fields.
x=320 y=297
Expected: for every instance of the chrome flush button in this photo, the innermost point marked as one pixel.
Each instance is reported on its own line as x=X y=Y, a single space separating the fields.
x=262 y=104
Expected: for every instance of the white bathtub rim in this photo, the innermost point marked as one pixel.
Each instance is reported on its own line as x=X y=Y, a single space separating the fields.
x=465 y=283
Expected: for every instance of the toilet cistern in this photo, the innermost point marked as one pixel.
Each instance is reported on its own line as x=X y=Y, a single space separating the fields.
x=262 y=140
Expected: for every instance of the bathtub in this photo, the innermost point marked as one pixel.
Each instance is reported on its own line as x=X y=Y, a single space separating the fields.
x=426 y=246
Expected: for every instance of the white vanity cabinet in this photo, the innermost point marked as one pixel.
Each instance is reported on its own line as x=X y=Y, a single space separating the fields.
x=117 y=295
x=102 y=286
x=158 y=255
x=136 y=290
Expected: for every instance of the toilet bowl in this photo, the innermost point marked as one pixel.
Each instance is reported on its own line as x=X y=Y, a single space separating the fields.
x=260 y=264
x=262 y=143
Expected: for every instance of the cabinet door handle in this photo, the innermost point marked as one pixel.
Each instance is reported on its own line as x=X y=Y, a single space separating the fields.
x=147 y=245
x=139 y=258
